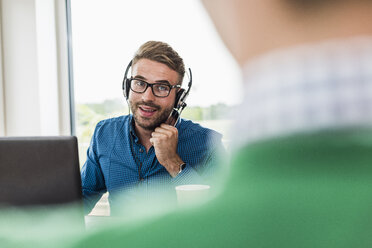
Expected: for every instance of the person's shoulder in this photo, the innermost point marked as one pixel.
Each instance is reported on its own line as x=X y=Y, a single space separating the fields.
x=188 y=128
x=114 y=120
x=112 y=123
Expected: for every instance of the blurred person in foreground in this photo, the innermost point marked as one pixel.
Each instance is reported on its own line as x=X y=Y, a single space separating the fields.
x=302 y=168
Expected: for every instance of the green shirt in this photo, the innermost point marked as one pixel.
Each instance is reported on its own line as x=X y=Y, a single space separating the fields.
x=307 y=190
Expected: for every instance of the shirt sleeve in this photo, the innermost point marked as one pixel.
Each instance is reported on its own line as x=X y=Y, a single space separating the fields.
x=205 y=172
x=92 y=179
x=188 y=176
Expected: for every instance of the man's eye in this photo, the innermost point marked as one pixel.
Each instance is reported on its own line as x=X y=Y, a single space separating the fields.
x=163 y=87
x=139 y=83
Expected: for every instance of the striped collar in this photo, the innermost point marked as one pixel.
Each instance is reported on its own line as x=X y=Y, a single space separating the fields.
x=306 y=88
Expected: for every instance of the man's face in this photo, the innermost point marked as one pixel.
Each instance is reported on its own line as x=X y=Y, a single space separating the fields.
x=148 y=110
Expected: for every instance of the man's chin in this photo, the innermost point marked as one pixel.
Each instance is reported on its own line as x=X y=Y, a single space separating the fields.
x=152 y=122
x=148 y=124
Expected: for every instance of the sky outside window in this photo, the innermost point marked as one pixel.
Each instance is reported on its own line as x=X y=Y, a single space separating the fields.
x=106 y=34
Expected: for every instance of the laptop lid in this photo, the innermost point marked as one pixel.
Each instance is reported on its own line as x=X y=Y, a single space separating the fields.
x=39 y=170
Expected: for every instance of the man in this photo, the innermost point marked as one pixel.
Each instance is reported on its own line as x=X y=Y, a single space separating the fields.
x=302 y=169
x=136 y=156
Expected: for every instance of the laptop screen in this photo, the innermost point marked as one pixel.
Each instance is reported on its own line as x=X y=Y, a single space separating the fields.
x=39 y=170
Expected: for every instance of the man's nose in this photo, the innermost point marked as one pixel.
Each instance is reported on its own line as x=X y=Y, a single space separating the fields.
x=148 y=95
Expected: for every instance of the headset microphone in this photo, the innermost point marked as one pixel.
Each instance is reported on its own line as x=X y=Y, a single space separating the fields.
x=180 y=103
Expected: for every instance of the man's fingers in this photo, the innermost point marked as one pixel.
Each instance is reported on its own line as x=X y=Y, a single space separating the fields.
x=166 y=132
x=159 y=135
x=161 y=130
x=166 y=126
x=172 y=131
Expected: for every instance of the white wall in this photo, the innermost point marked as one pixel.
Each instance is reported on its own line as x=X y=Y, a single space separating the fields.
x=22 y=114
x=34 y=75
x=2 y=113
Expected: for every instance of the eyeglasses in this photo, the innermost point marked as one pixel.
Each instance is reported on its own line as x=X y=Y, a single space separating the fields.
x=158 y=89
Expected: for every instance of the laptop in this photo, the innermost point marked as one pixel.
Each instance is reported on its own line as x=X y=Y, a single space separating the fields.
x=39 y=171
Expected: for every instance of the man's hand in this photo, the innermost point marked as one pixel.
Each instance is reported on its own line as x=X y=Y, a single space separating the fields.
x=165 y=140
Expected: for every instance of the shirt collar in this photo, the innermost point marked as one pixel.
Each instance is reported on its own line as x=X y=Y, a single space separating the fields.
x=306 y=88
x=131 y=129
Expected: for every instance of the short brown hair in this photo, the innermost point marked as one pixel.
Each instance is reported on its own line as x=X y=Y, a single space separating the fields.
x=163 y=53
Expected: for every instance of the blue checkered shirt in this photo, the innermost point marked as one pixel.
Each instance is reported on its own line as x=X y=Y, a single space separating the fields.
x=115 y=156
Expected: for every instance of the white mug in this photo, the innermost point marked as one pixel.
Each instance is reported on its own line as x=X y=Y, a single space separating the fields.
x=192 y=194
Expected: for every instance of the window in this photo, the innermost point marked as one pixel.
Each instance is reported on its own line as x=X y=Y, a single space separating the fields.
x=106 y=34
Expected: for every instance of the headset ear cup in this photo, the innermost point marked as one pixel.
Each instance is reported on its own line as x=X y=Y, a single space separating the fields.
x=178 y=97
x=124 y=88
x=126 y=82
x=127 y=88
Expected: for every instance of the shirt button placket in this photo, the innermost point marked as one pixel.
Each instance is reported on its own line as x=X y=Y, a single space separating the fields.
x=141 y=151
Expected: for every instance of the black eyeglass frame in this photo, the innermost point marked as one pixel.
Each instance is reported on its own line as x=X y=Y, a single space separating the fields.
x=152 y=85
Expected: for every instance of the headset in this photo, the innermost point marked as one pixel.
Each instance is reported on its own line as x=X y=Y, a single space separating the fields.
x=179 y=104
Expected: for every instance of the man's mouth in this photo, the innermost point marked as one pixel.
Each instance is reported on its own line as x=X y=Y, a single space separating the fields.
x=147 y=111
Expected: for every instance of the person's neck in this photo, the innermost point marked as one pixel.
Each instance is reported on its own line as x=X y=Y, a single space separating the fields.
x=144 y=136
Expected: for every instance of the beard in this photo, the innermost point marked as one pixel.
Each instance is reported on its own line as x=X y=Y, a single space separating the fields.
x=153 y=122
